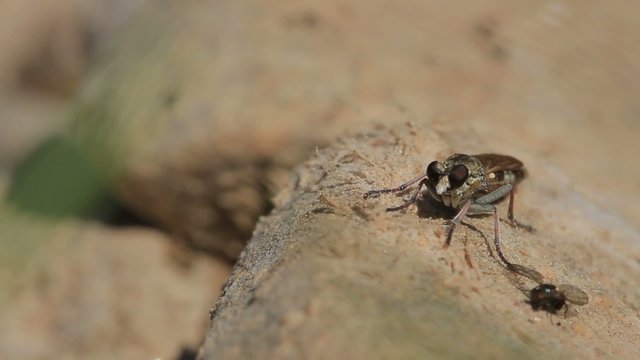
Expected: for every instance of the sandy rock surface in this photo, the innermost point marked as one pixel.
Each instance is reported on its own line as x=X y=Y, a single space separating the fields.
x=330 y=275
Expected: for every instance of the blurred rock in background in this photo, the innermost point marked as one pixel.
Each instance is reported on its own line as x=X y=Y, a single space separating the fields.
x=77 y=289
x=90 y=291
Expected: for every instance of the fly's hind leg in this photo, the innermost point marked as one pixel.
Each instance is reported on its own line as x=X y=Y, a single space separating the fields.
x=495 y=195
x=515 y=223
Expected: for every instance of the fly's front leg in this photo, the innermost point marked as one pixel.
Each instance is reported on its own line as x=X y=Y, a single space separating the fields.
x=456 y=220
x=512 y=219
x=399 y=188
x=410 y=201
x=402 y=187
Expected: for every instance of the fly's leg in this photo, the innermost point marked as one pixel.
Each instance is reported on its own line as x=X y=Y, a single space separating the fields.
x=484 y=205
x=484 y=237
x=512 y=197
x=495 y=195
x=480 y=209
x=481 y=205
x=512 y=219
x=410 y=201
x=456 y=220
x=496 y=239
x=402 y=187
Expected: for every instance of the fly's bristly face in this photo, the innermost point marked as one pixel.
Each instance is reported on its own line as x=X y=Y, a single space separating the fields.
x=455 y=180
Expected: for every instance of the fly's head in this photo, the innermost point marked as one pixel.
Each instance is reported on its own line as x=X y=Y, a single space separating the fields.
x=459 y=177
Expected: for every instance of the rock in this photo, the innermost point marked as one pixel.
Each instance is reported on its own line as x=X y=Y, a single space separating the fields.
x=330 y=275
x=197 y=135
x=80 y=291
x=48 y=46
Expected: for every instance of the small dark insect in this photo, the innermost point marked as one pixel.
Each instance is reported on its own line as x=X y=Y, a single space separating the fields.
x=549 y=298
x=471 y=184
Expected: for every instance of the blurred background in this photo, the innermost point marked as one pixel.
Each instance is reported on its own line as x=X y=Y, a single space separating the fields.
x=81 y=276
x=140 y=141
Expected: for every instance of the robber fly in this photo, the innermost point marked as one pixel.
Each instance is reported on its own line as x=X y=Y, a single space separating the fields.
x=470 y=184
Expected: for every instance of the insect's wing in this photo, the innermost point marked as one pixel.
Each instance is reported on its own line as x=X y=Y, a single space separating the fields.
x=497 y=162
x=573 y=294
x=570 y=312
x=526 y=271
x=500 y=170
x=519 y=284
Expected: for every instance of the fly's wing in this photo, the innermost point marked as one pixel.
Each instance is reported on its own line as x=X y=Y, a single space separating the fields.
x=501 y=170
x=570 y=312
x=497 y=162
x=527 y=272
x=573 y=294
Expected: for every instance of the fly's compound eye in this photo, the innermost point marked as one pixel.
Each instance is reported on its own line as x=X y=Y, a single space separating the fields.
x=432 y=171
x=458 y=175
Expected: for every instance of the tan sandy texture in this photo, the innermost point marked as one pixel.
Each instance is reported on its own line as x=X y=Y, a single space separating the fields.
x=329 y=275
x=84 y=291
x=205 y=105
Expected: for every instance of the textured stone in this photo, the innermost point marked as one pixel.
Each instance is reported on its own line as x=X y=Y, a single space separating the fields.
x=330 y=275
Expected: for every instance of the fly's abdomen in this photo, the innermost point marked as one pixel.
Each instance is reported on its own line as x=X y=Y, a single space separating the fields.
x=504 y=177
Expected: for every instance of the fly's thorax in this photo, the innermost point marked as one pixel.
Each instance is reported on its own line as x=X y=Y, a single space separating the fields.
x=455 y=180
x=546 y=297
